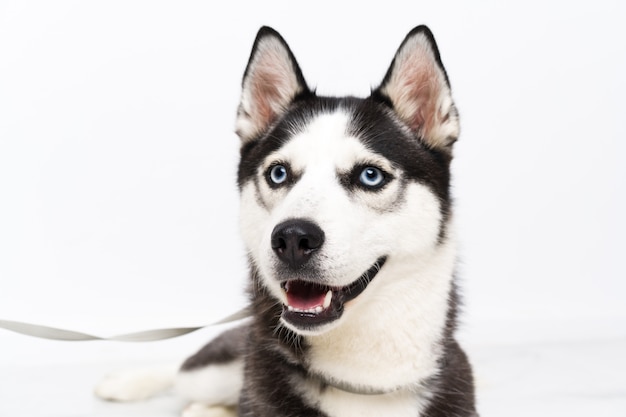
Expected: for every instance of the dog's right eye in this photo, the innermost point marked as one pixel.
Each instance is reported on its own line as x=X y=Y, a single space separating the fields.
x=371 y=177
x=277 y=174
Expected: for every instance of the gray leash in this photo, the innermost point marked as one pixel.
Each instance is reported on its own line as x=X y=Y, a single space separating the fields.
x=53 y=333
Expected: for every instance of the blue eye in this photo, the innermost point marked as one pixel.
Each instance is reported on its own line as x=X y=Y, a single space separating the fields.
x=371 y=177
x=278 y=174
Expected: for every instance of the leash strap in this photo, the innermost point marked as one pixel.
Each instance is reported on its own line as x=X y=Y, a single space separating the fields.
x=53 y=333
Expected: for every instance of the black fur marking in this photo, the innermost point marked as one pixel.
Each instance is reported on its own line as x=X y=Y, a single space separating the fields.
x=384 y=134
x=225 y=348
x=453 y=387
x=269 y=389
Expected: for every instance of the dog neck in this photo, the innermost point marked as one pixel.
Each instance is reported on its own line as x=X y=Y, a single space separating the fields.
x=356 y=389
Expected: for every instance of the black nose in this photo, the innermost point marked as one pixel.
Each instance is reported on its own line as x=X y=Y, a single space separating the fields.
x=295 y=240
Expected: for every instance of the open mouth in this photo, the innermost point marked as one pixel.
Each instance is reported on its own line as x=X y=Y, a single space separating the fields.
x=310 y=304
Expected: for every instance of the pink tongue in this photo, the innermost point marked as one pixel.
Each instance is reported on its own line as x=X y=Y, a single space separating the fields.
x=304 y=296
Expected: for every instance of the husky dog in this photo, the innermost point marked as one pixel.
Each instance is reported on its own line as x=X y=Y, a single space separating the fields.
x=347 y=221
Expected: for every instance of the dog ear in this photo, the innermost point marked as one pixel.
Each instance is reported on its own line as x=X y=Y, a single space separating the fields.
x=271 y=82
x=417 y=87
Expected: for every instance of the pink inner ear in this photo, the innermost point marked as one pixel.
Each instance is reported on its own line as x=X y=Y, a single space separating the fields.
x=265 y=95
x=272 y=85
x=419 y=91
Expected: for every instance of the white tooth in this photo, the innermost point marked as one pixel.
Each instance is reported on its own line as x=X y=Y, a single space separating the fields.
x=329 y=296
x=290 y=308
x=318 y=309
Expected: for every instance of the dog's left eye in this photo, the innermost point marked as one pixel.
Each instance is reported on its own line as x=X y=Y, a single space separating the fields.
x=372 y=177
x=277 y=174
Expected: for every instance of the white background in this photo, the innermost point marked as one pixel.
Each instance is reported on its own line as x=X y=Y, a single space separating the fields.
x=118 y=202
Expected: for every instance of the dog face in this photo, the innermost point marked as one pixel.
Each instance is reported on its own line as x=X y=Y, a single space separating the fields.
x=338 y=195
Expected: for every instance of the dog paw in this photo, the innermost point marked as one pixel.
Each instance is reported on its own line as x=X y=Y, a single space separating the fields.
x=134 y=385
x=203 y=410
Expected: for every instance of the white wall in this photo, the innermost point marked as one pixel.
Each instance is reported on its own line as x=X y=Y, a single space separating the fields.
x=118 y=201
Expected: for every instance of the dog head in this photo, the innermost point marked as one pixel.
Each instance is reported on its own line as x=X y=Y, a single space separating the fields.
x=339 y=195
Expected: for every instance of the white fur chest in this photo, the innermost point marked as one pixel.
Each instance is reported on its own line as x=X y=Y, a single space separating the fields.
x=337 y=403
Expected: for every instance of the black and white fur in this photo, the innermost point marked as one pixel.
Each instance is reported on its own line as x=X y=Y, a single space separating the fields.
x=347 y=220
